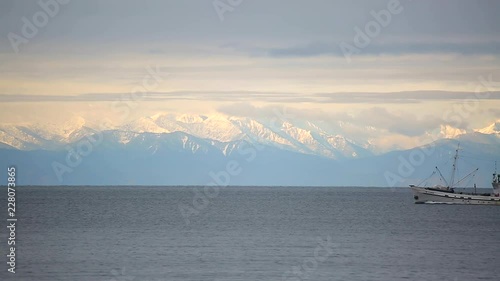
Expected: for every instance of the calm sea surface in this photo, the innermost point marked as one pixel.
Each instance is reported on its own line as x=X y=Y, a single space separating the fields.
x=247 y=233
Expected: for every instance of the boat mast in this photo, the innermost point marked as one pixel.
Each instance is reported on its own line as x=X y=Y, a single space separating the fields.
x=496 y=178
x=454 y=166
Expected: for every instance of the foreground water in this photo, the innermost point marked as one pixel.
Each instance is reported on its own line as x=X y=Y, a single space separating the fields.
x=248 y=233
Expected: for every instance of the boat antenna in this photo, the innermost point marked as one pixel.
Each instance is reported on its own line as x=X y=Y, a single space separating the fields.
x=454 y=166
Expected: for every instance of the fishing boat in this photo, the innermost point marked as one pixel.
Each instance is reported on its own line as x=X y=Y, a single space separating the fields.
x=447 y=194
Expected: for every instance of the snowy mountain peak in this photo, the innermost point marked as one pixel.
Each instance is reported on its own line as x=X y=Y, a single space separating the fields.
x=450 y=132
x=190 y=118
x=491 y=129
x=64 y=130
x=287 y=125
x=158 y=115
x=145 y=125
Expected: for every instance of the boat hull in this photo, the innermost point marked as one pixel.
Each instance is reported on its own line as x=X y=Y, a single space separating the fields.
x=426 y=196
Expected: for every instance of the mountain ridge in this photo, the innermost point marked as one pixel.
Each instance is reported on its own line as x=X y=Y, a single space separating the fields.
x=181 y=159
x=160 y=150
x=296 y=135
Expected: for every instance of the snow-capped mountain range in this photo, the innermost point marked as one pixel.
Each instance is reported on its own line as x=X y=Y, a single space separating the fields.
x=168 y=149
x=303 y=137
x=220 y=131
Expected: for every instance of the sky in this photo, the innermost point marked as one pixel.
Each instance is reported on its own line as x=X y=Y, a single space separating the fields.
x=388 y=63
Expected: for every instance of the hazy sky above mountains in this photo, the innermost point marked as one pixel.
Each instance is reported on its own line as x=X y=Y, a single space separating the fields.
x=260 y=54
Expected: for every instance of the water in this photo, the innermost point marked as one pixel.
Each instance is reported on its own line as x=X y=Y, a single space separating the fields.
x=249 y=233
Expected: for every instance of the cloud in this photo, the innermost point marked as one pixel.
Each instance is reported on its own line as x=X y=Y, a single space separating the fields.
x=494 y=111
x=403 y=123
x=273 y=97
x=403 y=97
x=396 y=49
x=122 y=23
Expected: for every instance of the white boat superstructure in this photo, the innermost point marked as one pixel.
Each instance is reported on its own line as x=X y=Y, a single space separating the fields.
x=447 y=194
x=496 y=183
